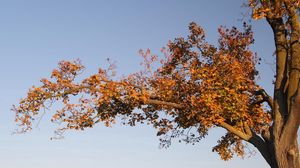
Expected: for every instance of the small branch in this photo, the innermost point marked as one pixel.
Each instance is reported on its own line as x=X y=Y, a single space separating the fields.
x=159 y=102
x=247 y=129
x=259 y=102
x=266 y=97
x=266 y=134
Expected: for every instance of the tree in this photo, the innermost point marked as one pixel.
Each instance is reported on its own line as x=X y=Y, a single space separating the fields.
x=197 y=87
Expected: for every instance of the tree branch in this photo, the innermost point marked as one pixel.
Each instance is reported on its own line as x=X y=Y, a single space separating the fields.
x=159 y=102
x=261 y=145
x=228 y=127
x=235 y=131
x=266 y=97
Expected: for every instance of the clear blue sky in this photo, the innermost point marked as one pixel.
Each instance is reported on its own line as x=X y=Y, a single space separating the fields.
x=36 y=34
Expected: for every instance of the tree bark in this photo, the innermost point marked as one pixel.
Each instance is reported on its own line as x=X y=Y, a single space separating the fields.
x=286 y=155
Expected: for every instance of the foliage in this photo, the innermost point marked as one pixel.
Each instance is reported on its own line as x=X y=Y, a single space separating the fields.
x=197 y=86
x=272 y=9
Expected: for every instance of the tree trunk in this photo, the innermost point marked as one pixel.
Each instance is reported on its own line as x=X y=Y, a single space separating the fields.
x=286 y=155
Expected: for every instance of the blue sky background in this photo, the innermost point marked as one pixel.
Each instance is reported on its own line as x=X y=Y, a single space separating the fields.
x=36 y=34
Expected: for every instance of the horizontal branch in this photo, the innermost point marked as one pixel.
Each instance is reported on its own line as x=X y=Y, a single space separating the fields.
x=235 y=131
x=153 y=101
x=159 y=102
x=228 y=127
